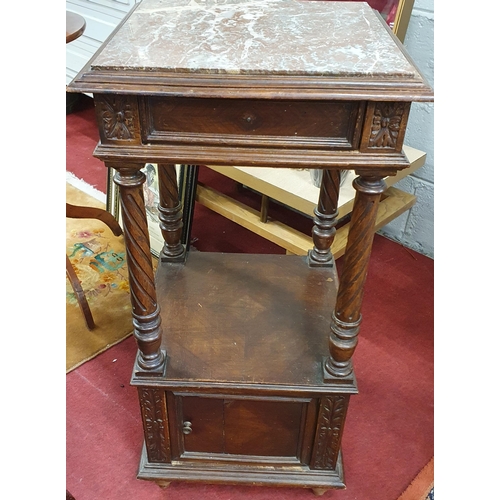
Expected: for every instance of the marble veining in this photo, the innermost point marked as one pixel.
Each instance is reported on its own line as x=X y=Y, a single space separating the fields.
x=289 y=37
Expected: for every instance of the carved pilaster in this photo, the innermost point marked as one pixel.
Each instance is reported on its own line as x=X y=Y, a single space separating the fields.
x=331 y=420
x=347 y=315
x=326 y=212
x=155 y=424
x=145 y=309
x=170 y=214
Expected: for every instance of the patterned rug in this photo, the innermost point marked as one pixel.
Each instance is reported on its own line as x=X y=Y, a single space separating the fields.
x=98 y=258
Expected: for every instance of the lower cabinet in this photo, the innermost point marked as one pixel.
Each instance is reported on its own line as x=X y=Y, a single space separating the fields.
x=253 y=437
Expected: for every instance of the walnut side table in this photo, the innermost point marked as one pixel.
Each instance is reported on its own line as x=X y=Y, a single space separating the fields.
x=244 y=373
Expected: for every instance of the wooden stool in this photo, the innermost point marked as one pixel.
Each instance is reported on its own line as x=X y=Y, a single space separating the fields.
x=75 y=26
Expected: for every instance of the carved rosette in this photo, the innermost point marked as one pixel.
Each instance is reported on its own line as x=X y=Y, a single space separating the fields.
x=331 y=419
x=387 y=125
x=154 y=417
x=117 y=117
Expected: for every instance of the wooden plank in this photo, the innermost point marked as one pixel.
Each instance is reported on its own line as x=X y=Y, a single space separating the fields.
x=277 y=232
x=293 y=187
x=294 y=242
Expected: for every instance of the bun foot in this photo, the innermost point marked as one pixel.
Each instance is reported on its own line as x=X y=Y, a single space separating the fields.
x=319 y=491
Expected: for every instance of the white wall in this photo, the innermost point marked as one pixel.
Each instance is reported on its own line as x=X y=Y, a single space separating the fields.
x=415 y=228
x=101 y=17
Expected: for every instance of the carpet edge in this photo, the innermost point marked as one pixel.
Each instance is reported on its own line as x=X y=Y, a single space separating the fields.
x=83 y=186
x=421 y=485
x=80 y=363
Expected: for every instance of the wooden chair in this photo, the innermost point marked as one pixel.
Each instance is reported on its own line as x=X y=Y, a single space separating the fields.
x=77 y=212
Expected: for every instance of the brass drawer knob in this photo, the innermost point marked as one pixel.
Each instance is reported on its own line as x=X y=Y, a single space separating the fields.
x=186 y=428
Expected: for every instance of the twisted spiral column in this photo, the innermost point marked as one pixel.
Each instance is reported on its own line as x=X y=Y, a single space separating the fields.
x=145 y=309
x=346 y=318
x=326 y=213
x=170 y=214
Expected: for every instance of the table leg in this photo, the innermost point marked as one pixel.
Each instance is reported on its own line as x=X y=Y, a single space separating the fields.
x=347 y=314
x=170 y=215
x=145 y=310
x=326 y=213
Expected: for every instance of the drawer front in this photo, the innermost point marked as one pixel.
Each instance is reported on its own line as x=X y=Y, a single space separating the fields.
x=243 y=429
x=259 y=123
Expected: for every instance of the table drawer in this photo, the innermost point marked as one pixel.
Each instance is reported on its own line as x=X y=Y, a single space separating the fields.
x=259 y=123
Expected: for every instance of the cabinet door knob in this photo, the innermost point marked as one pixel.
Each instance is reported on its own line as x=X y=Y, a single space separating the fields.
x=186 y=427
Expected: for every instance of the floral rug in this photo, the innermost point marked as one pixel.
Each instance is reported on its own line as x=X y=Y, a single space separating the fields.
x=98 y=258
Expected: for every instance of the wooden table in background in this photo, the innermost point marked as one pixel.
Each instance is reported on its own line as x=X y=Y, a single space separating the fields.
x=294 y=189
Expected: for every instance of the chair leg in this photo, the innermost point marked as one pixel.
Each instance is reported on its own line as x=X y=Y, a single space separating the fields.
x=75 y=212
x=80 y=295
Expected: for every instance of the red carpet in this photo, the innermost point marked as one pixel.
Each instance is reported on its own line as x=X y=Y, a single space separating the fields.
x=389 y=429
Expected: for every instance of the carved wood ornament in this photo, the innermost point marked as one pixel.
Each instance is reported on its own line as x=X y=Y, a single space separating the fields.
x=117 y=117
x=388 y=120
x=154 y=417
x=330 y=423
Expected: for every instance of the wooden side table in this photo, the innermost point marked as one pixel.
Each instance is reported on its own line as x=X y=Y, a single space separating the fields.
x=243 y=372
x=75 y=27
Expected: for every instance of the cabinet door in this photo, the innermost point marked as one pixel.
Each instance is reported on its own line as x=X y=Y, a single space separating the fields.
x=275 y=430
x=202 y=423
x=267 y=428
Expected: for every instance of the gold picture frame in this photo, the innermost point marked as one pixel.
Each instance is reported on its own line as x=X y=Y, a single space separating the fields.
x=396 y=13
x=402 y=19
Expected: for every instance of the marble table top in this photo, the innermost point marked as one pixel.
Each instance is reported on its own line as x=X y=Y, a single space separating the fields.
x=282 y=37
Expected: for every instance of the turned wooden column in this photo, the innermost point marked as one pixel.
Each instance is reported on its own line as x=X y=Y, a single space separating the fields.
x=145 y=310
x=326 y=213
x=347 y=314
x=170 y=215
